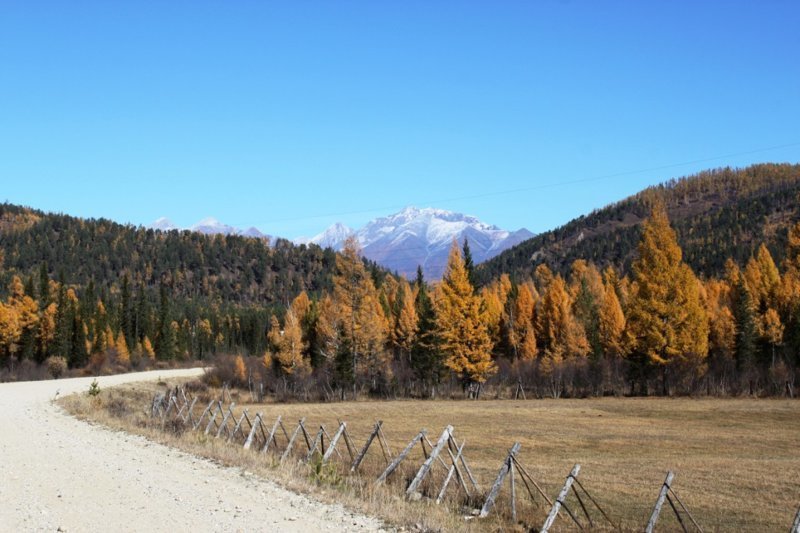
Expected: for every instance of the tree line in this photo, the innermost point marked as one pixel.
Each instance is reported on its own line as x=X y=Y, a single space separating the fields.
x=658 y=329
x=654 y=328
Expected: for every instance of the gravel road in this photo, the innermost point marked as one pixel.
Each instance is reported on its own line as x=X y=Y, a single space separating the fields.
x=58 y=473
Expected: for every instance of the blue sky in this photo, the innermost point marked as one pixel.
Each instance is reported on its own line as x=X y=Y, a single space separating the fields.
x=293 y=115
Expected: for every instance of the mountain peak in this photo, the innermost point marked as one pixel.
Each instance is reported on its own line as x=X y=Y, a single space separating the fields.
x=163 y=224
x=421 y=236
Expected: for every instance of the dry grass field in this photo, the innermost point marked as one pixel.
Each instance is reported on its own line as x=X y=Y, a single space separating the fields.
x=736 y=461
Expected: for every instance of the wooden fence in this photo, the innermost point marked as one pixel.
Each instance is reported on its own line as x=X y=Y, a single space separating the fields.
x=318 y=446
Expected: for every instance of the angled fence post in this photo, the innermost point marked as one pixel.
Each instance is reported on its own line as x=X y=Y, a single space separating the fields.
x=289 y=446
x=224 y=423
x=560 y=499
x=333 y=442
x=796 y=524
x=501 y=475
x=394 y=464
x=662 y=495
x=252 y=434
x=426 y=466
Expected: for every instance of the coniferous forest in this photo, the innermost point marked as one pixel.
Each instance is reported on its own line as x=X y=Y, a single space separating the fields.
x=691 y=287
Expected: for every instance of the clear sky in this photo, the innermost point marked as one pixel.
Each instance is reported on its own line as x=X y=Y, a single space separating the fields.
x=293 y=115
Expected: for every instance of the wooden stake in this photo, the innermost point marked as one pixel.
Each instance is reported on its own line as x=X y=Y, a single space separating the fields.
x=271 y=435
x=253 y=427
x=677 y=514
x=334 y=441
x=237 y=426
x=662 y=495
x=513 y=491
x=313 y=448
x=686 y=511
x=426 y=466
x=560 y=501
x=498 y=482
x=213 y=418
x=203 y=415
x=225 y=418
x=385 y=444
x=450 y=473
x=360 y=457
x=396 y=462
x=289 y=446
x=796 y=524
x=525 y=474
x=188 y=417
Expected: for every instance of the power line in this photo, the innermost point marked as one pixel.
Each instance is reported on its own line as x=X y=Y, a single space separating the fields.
x=533 y=187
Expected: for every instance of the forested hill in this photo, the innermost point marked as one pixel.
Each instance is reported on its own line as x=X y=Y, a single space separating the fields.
x=717 y=214
x=185 y=293
x=218 y=268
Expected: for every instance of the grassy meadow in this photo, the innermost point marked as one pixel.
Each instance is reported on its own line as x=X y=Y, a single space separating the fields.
x=736 y=461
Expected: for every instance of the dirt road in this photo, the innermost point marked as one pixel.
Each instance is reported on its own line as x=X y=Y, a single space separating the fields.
x=58 y=472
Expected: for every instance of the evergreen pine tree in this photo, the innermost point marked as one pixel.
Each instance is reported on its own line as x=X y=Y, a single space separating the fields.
x=425 y=357
x=469 y=264
x=165 y=338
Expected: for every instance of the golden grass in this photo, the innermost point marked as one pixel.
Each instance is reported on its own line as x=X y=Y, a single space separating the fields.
x=736 y=460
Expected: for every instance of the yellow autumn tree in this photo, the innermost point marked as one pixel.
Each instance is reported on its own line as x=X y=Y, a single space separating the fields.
x=461 y=324
x=772 y=330
x=356 y=317
x=147 y=348
x=239 y=370
x=123 y=355
x=288 y=346
x=404 y=333
x=666 y=316
x=611 y=323
x=721 y=322
x=520 y=317
x=561 y=334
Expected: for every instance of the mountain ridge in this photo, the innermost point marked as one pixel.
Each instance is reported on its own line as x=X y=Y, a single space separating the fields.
x=422 y=237
x=717 y=214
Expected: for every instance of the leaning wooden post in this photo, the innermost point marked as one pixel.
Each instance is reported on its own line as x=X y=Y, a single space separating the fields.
x=271 y=435
x=560 y=499
x=394 y=464
x=426 y=466
x=313 y=448
x=360 y=457
x=501 y=475
x=453 y=469
x=253 y=428
x=188 y=417
x=203 y=414
x=213 y=418
x=237 y=426
x=651 y=524
x=289 y=446
x=224 y=423
x=513 y=491
x=334 y=442
x=796 y=524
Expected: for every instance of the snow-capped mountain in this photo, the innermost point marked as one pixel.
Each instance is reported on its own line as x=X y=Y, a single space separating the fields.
x=163 y=224
x=333 y=237
x=210 y=226
x=416 y=236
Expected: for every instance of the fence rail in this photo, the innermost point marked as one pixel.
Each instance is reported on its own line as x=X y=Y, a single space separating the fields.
x=178 y=406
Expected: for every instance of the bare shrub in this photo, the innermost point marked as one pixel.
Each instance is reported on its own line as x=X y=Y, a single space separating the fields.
x=56 y=366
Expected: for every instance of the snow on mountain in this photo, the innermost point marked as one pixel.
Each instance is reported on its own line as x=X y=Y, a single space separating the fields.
x=163 y=224
x=333 y=237
x=415 y=236
x=210 y=226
